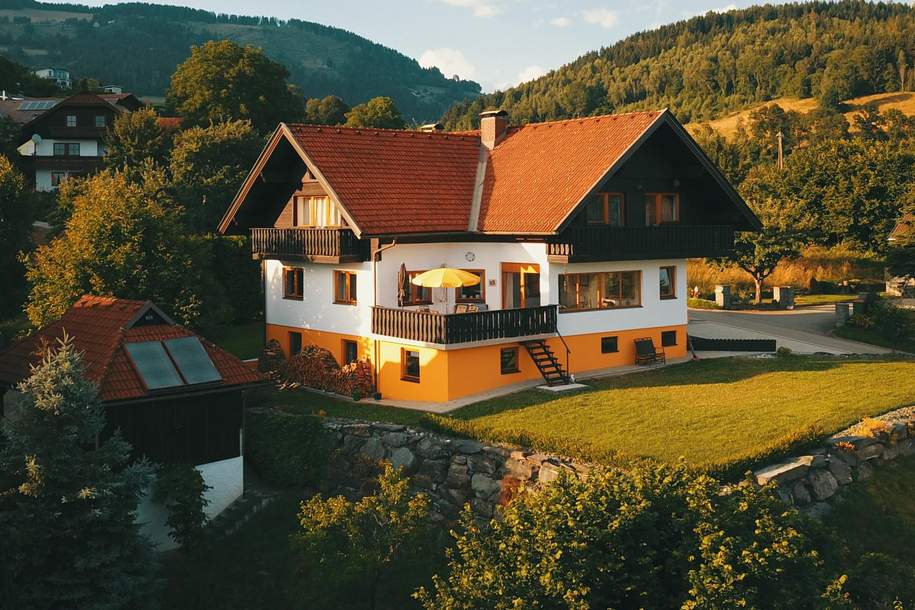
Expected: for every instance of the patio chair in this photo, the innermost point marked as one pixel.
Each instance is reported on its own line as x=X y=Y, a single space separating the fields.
x=646 y=353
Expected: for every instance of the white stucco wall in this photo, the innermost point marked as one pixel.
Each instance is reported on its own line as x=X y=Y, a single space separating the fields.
x=87 y=148
x=225 y=477
x=317 y=310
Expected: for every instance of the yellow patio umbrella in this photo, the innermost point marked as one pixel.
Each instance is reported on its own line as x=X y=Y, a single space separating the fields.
x=445 y=277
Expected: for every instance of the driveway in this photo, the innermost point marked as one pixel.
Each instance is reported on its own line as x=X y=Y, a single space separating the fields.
x=804 y=330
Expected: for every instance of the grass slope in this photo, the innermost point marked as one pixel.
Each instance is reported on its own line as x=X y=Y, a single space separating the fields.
x=904 y=102
x=720 y=415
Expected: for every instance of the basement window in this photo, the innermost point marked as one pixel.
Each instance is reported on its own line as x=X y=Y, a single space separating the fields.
x=295 y=343
x=668 y=338
x=409 y=365
x=509 y=360
x=609 y=345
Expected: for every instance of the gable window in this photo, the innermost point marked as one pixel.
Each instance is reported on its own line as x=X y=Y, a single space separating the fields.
x=661 y=208
x=293 y=278
x=409 y=365
x=71 y=120
x=508 y=360
x=419 y=295
x=609 y=345
x=316 y=212
x=295 y=343
x=472 y=294
x=345 y=287
x=668 y=338
x=606 y=209
x=606 y=290
x=667 y=282
x=100 y=120
x=350 y=351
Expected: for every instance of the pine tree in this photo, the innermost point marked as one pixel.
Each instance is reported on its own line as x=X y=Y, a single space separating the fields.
x=68 y=498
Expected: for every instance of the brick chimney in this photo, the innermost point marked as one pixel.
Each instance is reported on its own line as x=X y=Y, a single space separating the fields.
x=493 y=125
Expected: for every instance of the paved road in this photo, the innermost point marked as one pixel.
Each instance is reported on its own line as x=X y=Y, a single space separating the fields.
x=802 y=330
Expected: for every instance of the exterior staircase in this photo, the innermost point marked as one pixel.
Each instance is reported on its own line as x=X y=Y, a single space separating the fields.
x=547 y=363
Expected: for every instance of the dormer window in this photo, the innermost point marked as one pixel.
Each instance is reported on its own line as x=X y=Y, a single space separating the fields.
x=71 y=120
x=316 y=212
x=662 y=208
x=606 y=209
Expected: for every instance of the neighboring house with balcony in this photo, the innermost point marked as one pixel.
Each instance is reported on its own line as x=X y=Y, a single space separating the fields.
x=65 y=137
x=60 y=76
x=579 y=231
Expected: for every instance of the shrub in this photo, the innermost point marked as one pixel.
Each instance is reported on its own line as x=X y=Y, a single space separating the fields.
x=783 y=351
x=873 y=427
x=180 y=487
x=650 y=536
x=894 y=323
x=702 y=304
x=880 y=581
x=286 y=449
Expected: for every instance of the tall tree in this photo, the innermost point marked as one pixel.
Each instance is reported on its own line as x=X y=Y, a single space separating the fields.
x=223 y=81
x=135 y=137
x=208 y=165
x=67 y=498
x=330 y=110
x=16 y=216
x=377 y=112
x=903 y=69
x=125 y=238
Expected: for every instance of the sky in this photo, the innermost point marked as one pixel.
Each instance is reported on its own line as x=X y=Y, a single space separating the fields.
x=497 y=43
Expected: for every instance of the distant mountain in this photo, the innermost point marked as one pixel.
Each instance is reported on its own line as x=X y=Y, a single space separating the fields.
x=138 y=46
x=708 y=66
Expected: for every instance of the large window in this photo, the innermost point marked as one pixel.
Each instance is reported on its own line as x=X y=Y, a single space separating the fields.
x=661 y=208
x=409 y=365
x=606 y=209
x=418 y=295
x=606 y=290
x=472 y=294
x=66 y=149
x=292 y=283
x=316 y=212
x=345 y=287
x=668 y=282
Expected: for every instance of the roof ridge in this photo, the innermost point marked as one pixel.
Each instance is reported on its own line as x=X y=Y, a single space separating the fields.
x=360 y=130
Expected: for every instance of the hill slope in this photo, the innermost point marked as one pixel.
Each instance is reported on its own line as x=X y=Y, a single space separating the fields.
x=138 y=46
x=708 y=66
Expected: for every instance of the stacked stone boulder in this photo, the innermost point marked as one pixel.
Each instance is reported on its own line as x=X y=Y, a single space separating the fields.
x=453 y=471
x=811 y=481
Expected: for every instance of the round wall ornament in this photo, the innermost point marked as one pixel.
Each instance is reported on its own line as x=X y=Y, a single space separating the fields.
x=470 y=256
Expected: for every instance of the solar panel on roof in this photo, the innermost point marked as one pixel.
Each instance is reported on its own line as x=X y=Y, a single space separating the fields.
x=37 y=105
x=192 y=360
x=153 y=365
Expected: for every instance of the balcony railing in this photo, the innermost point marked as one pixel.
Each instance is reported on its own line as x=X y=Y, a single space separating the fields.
x=447 y=329
x=305 y=243
x=601 y=243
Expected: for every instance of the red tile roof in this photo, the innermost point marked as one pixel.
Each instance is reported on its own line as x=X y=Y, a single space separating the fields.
x=539 y=172
x=100 y=326
x=905 y=225
x=393 y=181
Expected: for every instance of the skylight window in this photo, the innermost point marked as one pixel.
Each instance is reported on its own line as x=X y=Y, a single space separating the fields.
x=172 y=363
x=192 y=360
x=154 y=365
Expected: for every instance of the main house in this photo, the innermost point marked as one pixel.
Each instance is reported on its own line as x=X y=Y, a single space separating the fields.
x=579 y=231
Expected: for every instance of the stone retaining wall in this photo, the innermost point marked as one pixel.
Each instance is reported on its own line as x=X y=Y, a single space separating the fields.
x=812 y=480
x=452 y=471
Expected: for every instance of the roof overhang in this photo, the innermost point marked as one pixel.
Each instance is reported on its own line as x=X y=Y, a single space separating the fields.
x=282 y=133
x=665 y=117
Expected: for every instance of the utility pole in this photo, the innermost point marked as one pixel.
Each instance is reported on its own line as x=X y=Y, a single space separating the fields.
x=781 y=157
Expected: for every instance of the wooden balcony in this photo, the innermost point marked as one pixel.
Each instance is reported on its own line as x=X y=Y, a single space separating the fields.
x=336 y=245
x=448 y=329
x=602 y=243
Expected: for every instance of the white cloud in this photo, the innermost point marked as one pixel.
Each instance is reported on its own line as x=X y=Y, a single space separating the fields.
x=561 y=22
x=603 y=17
x=480 y=8
x=449 y=61
x=530 y=73
x=725 y=9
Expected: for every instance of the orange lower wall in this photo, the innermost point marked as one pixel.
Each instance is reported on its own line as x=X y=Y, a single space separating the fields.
x=450 y=374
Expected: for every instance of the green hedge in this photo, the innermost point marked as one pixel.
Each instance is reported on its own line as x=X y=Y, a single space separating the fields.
x=286 y=449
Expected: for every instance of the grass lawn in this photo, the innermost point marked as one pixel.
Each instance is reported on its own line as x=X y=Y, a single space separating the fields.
x=256 y=568
x=242 y=340
x=719 y=414
x=803 y=300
